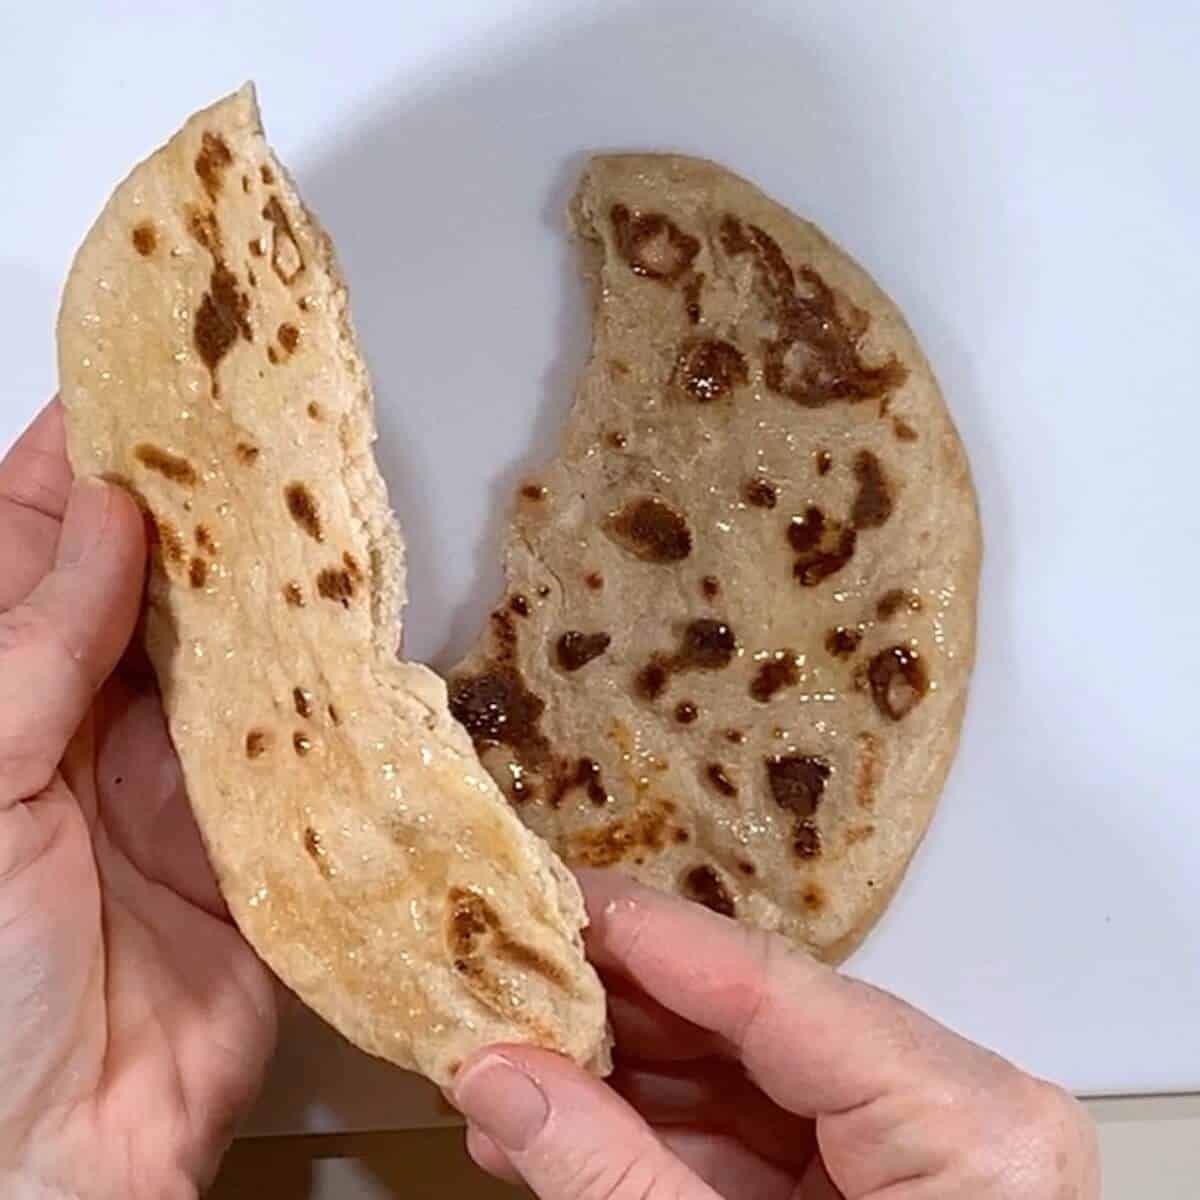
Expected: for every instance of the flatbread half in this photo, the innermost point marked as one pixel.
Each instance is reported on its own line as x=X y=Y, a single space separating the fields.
x=733 y=654
x=207 y=362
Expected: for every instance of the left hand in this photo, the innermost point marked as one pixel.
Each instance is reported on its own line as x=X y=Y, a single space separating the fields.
x=135 y=1022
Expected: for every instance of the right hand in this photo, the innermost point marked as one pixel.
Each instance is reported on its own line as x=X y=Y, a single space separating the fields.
x=746 y=1069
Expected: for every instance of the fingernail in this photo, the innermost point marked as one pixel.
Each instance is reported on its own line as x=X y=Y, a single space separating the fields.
x=503 y=1101
x=83 y=523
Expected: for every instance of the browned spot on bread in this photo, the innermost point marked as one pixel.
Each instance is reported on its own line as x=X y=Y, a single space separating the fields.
x=807 y=840
x=761 y=493
x=746 y=867
x=504 y=634
x=197 y=572
x=272 y=356
x=289 y=336
x=842 y=642
x=533 y=491
x=898 y=681
x=903 y=430
x=316 y=851
x=586 y=775
x=256 y=247
x=691 y=298
x=246 y=184
x=718 y=777
x=860 y=833
x=576 y=649
x=168 y=540
x=223 y=314
x=686 y=712
x=303 y=509
x=774 y=675
x=823 y=547
x=251 y=276
x=293 y=594
x=873 y=504
x=595 y=581
x=652 y=244
x=519 y=604
x=893 y=600
x=824 y=461
x=643 y=831
x=351 y=565
x=813 y=357
x=813 y=898
x=314 y=410
x=302 y=702
x=651 y=681
x=618 y=368
x=707 y=644
x=266 y=174
x=170 y=466
x=211 y=162
x=710 y=585
x=617 y=440
x=204 y=539
x=145 y=238
x=301 y=743
x=709 y=368
x=256 y=743
x=335 y=583
x=475 y=931
x=286 y=259
x=703 y=885
x=797 y=782
x=497 y=708
x=736 y=736
x=247 y=454
x=333 y=714
x=651 y=530
x=202 y=225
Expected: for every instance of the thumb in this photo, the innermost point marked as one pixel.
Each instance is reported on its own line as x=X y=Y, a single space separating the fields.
x=60 y=643
x=569 y=1136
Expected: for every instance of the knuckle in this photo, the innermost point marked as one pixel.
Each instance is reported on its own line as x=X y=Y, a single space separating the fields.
x=24 y=773
x=640 y=1174
x=26 y=628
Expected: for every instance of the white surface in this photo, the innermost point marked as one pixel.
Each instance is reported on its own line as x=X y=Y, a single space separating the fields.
x=1022 y=178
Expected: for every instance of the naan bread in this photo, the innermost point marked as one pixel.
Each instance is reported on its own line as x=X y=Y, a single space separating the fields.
x=733 y=655
x=207 y=362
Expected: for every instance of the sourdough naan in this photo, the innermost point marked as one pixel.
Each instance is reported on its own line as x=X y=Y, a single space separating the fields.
x=733 y=655
x=207 y=361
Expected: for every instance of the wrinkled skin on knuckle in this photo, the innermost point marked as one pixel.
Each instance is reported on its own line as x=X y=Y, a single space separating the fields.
x=631 y=1174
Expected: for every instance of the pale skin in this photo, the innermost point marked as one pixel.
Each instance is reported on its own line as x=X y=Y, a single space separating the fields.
x=135 y=1022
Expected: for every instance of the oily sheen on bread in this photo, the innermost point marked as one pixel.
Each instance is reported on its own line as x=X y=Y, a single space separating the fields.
x=733 y=654
x=207 y=362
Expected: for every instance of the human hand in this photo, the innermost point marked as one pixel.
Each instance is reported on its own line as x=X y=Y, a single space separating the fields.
x=747 y=1069
x=135 y=1022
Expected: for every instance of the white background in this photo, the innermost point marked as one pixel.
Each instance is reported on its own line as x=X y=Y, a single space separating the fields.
x=1023 y=178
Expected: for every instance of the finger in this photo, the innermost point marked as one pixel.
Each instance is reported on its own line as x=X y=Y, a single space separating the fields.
x=724 y=1163
x=718 y=1096
x=813 y=1040
x=729 y=1167
x=647 y=1032
x=488 y=1156
x=35 y=481
x=569 y=1136
x=57 y=646
x=35 y=473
